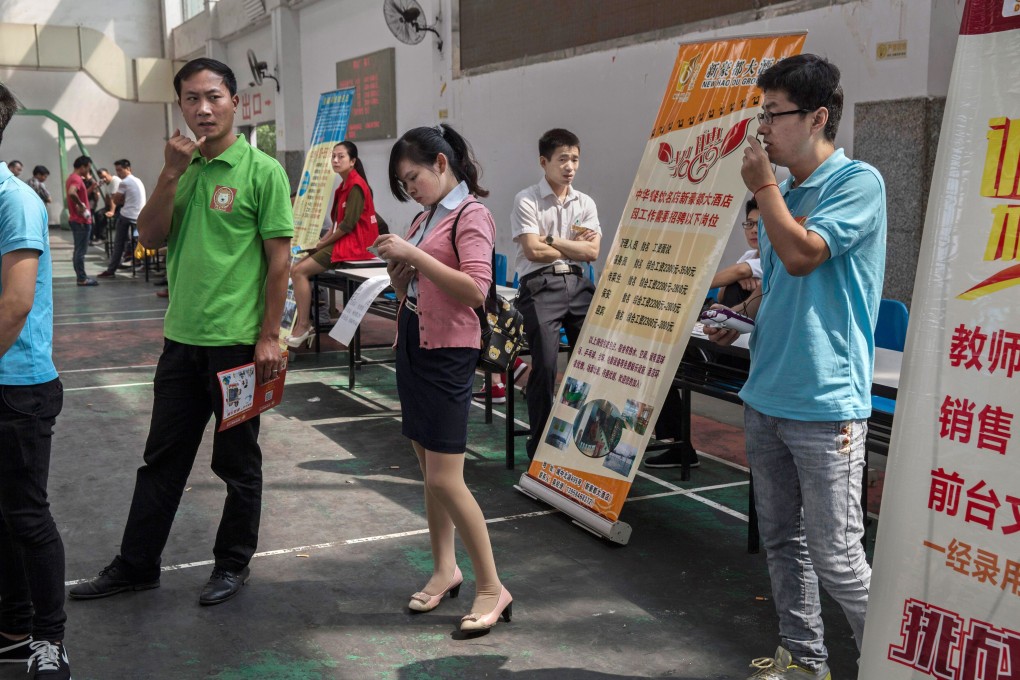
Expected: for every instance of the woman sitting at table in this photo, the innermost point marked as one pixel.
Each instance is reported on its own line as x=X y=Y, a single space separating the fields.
x=739 y=281
x=355 y=227
x=440 y=280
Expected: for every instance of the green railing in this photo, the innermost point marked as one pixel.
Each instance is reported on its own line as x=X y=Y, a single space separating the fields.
x=62 y=128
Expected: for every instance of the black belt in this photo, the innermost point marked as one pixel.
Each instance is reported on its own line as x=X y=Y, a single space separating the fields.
x=411 y=304
x=559 y=268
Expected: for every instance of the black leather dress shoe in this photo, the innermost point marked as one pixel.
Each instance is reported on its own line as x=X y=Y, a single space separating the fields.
x=223 y=585
x=111 y=580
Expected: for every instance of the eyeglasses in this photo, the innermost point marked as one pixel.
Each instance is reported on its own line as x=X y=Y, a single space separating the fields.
x=767 y=117
x=750 y=224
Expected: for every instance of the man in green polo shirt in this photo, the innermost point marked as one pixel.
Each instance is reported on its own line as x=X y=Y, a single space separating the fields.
x=223 y=208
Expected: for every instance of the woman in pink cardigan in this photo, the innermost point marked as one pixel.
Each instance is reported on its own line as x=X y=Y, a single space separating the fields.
x=440 y=283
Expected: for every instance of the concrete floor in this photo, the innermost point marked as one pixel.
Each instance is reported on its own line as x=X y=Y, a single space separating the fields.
x=344 y=541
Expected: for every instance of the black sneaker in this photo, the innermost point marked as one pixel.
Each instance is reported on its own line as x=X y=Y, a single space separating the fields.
x=111 y=580
x=671 y=458
x=49 y=661
x=15 y=651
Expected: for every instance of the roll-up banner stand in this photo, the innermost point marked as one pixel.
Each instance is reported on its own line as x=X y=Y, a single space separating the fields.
x=945 y=592
x=313 y=194
x=687 y=194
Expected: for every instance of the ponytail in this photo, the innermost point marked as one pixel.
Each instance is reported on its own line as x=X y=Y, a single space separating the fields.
x=422 y=146
x=359 y=167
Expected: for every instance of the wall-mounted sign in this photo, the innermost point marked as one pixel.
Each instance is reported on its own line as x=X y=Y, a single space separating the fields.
x=373 y=77
x=894 y=49
x=257 y=105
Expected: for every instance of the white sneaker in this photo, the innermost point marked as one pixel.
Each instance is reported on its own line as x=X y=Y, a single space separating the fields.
x=783 y=668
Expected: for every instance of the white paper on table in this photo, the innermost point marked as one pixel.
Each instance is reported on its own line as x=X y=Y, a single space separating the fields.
x=357 y=307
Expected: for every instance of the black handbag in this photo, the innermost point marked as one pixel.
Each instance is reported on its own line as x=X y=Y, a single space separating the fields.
x=502 y=325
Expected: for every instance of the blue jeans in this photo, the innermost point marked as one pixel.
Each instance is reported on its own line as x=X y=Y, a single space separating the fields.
x=807 y=491
x=31 y=552
x=81 y=233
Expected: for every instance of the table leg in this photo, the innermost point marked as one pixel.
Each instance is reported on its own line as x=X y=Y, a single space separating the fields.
x=510 y=424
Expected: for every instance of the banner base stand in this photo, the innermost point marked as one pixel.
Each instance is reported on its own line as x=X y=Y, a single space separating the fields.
x=617 y=532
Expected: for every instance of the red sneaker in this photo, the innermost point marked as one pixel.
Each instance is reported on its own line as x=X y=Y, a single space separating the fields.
x=498 y=394
x=519 y=368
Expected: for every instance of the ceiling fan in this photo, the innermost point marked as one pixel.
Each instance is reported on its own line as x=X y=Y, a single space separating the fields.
x=259 y=71
x=404 y=19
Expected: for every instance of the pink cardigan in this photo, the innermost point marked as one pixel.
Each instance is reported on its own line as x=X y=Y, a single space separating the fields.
x=442 y=320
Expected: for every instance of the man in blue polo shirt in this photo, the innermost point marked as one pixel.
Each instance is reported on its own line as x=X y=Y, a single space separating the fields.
x=31 y=552
x=806 y=406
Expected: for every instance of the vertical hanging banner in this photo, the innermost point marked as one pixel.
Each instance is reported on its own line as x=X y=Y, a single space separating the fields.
x=945 y=593
x=317 y=175
x=675 y=226
x=313 y=195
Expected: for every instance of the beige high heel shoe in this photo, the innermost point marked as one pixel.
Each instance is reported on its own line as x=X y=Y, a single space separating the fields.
x=296 y=341
x=423 y=602
x=476 y=622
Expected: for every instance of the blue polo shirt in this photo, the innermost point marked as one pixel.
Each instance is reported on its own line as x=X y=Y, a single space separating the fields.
x=24 y=225
x=813 y=346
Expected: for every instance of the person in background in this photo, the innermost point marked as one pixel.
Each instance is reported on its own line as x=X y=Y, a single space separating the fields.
x=354 y=229
x=38 y=182
x=441 y=274
x=15 y=167
x=105 y=218
x=807 y=398
x=223 y=208
x=80 y=217
x=556 y=229
x=31 y=552
x=130 y=199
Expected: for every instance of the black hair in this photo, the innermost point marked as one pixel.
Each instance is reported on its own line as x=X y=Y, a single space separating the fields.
x=82 y=160
x=40 y=170
x=123 y=162
x=422 y=146
x=751 y=205
x=10 y=163
x=8 y=107
x=554 y=139
x=102 y=170
x=206 y=64
x=810 y=82
x=352 y=153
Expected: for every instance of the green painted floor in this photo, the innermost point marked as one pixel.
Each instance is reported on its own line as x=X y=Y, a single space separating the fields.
x=343 y=542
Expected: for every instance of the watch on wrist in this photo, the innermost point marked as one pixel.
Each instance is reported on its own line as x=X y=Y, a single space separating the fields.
x=548 y=240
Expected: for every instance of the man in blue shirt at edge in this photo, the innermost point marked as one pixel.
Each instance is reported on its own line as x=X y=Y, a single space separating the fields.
x=806 y=406
x=31 y=396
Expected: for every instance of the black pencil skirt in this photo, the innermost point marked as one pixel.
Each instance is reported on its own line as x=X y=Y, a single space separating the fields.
x=434 y=386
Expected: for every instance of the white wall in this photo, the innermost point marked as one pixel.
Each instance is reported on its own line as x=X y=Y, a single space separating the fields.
x=332 y=31
x=608 y=97
x=110 y=128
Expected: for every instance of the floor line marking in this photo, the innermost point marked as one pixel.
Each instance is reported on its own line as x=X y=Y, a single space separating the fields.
x=108 y=368
x=388 y=537
x=86 y=323
x=105 y=387
x=130 y=311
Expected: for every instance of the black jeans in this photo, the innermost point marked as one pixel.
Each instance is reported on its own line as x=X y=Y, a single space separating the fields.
x=31 y=552
x=187 y=394
x=125 y=228
x=548 y=302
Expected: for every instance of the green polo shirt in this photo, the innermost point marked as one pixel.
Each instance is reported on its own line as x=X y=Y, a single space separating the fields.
x=224 y=209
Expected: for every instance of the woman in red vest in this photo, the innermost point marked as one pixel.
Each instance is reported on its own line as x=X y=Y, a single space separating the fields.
x=355 y=227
